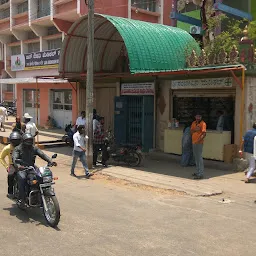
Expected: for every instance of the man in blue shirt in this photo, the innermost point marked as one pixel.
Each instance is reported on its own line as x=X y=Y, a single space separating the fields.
x=247 y=146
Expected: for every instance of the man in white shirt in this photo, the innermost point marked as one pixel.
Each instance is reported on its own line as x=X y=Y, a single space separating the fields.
x=79 y=151
x=30 y=126
x=3 y=116
x=81 y=119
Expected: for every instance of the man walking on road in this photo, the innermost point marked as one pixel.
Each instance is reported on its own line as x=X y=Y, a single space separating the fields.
x=3 y=116
x=249 y=147
x=198 y=131
x=79 y=151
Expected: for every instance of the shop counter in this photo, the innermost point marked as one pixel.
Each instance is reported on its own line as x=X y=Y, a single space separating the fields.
x=213 y=143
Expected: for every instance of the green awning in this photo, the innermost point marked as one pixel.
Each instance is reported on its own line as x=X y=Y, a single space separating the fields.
x=150 y=47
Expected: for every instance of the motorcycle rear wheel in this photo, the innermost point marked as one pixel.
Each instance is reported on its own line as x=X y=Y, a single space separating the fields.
x=136 y=159
x=52 y=216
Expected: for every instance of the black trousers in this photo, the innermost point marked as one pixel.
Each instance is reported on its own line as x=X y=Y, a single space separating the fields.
x=22 y=178
x=10 y=180
x=96 y=148
x=105 y=155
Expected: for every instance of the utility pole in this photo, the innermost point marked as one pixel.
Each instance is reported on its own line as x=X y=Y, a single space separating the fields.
x=89 y=83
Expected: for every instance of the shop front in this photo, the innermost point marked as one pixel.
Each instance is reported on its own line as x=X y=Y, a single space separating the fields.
x=216 y=99
x=57 y=100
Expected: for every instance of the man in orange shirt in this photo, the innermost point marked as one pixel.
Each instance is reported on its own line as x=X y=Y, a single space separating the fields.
x=198 y=131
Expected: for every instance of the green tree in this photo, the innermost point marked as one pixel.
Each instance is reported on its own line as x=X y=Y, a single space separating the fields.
x=252 y=31
x=232 y=31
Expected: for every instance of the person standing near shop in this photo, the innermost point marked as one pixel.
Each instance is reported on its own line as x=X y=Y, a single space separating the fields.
x=220 y=123
x=3 y=116
x=30 y=125
x=18 y=126
x=81 y=120
x=198 y=131
x=248 y=146
x=187 y=157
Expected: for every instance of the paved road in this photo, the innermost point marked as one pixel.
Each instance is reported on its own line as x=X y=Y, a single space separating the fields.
x=101 y=217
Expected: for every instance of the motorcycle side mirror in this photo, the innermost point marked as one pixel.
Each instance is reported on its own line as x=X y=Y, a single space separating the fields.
x=18 y=161
x=54 y=156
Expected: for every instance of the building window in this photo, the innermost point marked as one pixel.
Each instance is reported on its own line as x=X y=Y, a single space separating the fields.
x=30 y=98
x=5 y=14
x=149 y=5
x=62 y=100
x=9 y=88
x=34 y=47
x=54 y=44
x=190 y=7
x=23 y=7
x=8 y=93
x=43 y=8
x=52 y=31
x=15 y=50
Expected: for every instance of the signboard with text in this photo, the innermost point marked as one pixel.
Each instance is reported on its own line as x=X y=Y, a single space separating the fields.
x=202 y=83
x=138 y=89
x=35 y=60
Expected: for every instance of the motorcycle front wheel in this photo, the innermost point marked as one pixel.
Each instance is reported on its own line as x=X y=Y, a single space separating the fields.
x=133 y=159
x=52 y=216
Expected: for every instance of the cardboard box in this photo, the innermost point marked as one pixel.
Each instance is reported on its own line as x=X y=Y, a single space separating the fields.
x=230 y=152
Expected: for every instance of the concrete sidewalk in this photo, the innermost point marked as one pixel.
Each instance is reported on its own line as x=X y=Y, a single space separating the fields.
x=169 y=175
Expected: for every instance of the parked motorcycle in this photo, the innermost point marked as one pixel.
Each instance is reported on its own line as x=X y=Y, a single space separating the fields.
x=39 y=191
x=127 y=153
x=11 y=109
x=68 y=137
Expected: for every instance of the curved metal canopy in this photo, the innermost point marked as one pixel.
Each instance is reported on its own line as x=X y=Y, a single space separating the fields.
x=150 y=47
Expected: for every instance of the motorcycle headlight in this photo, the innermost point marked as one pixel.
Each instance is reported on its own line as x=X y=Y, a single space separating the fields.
x=47 y=179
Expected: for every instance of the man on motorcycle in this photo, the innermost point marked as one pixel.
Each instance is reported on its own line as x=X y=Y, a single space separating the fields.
x=26 y=152
x=15 y=139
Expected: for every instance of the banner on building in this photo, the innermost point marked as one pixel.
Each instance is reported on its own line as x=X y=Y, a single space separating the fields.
x=202 y=83
x=35 y=60
x=138 y=89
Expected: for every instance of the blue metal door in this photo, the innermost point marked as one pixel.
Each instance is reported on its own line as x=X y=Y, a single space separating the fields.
x=120 y=120
x=148 y=123
x=134 y=120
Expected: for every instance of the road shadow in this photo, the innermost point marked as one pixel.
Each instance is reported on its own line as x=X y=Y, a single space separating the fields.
x=30 y=215
x=165 y=164
x=60 y=150
x=172 y=167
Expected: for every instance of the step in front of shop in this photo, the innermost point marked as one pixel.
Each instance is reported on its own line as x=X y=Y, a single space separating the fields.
x=43 y=133
x=42 y=144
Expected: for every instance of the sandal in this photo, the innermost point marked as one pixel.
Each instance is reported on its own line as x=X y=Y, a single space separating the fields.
x=198 y=177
